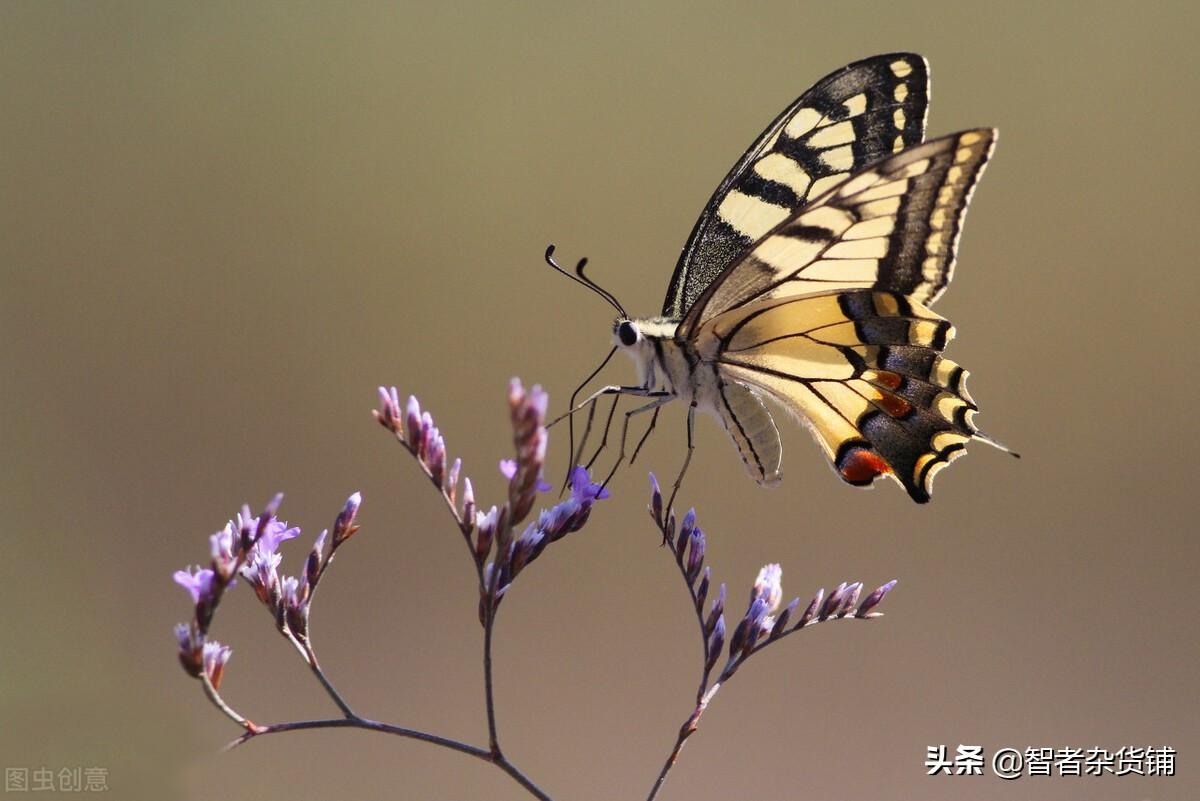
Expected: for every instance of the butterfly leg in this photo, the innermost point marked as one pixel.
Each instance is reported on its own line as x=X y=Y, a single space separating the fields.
x=646 y=436
x=612 y=410
x=691 y=420
x=577 y=453
x=654 y=404
x=611 y=389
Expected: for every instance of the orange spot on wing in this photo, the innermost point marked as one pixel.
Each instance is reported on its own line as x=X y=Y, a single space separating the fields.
x=884 y=378
x=894 y=404
x=862 y=466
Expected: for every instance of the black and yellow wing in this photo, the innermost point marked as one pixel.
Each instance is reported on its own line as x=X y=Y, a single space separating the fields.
x=850 y=119
x=892 y=226
x=825 y=315
x=863 y=370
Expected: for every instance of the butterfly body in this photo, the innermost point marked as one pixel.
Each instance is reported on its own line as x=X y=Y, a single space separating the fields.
x=807 y=282
x=669 y=364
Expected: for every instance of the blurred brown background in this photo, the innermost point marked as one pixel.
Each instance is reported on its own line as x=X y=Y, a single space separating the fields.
x=224 y=224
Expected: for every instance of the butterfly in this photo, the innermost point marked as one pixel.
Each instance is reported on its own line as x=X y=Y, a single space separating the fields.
x=807 y=283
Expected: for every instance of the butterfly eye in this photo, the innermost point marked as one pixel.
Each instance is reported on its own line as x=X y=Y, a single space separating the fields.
x=627 y=333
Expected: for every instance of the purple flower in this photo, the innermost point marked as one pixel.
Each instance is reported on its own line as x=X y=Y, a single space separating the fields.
x=583 y=489
x=756 y=615
x=215 y=657
x=433 y=451
x=769 y=586
x=717 y=612
x=225 y=546
x=259 y=525
x=656 y=501
x=190 y=642
x=183 y=636
x=525 y=549
x=550 y=526
x=781 y=621
x=685 y=527
x=702 y=588
x=833 y=602
x=274 y=533
x=850 y=599
x=487 y=525
x=262 y=573
x=316 y=559
x=343 y=526
x=572 y=513
x=695 y=556
x=412 y=419
x=247 y=525
x=527 y=411
x=872 y=600
x=293 y=603
x=197 y=581
x=389 y=407
x=714 y=643
x=468 y=502
x=290 y=592
x=811 y=611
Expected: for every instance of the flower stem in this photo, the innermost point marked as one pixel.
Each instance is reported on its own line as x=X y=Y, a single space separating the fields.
x=488 y=685
x=356 y=722
x=305 y=649
x=215 y=697
x=685 y=731
x=363 y=723
x=329 y=688
x=666 y=768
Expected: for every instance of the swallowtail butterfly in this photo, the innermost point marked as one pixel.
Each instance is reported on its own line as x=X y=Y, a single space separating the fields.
x=807 y=281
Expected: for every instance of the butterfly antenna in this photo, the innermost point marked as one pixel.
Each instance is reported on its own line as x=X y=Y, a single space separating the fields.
x=587 y=280
x=581 y=278
x=571 y=418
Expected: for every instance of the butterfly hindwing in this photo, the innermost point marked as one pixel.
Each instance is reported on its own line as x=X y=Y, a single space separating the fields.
x=850 y=119
x=863 y=370
x=893 y=226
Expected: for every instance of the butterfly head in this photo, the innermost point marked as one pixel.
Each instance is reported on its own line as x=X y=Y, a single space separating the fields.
x=626 y=333
x=634 y=336
x=630 y=338
x=647 y=342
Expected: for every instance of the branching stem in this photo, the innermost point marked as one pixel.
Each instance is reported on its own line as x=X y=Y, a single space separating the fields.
x=356 y=722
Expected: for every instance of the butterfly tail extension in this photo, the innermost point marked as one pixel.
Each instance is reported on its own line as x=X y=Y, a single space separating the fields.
x=1000 y=446
x=750 y=426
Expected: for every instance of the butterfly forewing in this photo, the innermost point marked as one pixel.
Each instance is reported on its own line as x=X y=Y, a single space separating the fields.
x=893 y=226
x=850 y=119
